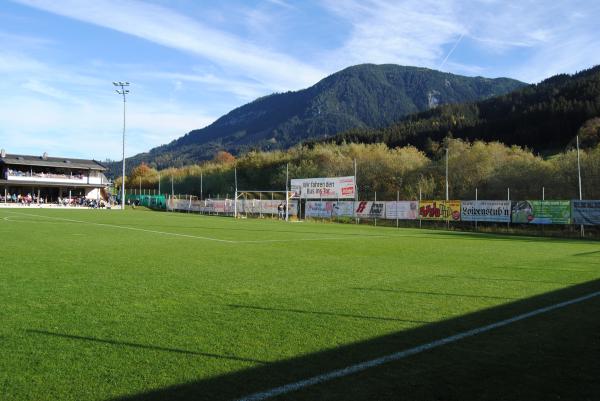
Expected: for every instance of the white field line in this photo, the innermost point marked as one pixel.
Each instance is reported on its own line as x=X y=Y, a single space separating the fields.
x=311 y=239
x=195 y=236
x=129 y=228
x=359 y=367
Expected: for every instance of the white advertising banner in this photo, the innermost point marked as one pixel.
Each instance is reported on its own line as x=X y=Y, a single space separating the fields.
x=403 y=210
x=342 y=209
x=485 y=210
x=324 y=188
x=329 y=209
x=320 y=209
x=368 y=209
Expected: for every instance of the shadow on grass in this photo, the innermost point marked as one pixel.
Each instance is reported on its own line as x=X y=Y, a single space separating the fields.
x=542 y=269
x=144 y=346
x=587 y=253
x=441 y=294
x=504 y=236
x=508 y=280
x=508 y=360
x=324 y=313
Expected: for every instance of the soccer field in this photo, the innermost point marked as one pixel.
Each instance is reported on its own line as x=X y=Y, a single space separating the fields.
x=141 y=305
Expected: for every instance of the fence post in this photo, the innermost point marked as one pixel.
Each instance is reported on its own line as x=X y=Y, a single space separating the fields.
x=508 y=198
x=374 y=205
x=581 y=228
x=476 y=216
x=420 y=198
x=355 y=193
x=397 y=204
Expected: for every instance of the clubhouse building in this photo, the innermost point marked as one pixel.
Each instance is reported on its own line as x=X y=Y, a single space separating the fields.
x=50 y=179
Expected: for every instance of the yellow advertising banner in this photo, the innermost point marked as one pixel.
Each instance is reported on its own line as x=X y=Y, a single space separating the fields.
x=439 y=210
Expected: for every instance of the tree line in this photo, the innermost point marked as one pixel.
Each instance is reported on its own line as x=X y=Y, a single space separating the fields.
x=490 y=167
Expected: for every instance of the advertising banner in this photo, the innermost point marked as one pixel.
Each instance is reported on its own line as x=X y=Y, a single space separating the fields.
x=586 y=212
x=342 y=209
x=367 y=209
x=324 y=188
x=329 y=209
x=403 y=210
x=439 y=210
x=318 y=209
x=485 y=210
x=541 y=212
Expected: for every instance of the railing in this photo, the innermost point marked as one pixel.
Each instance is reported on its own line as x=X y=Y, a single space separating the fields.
x=55 y=178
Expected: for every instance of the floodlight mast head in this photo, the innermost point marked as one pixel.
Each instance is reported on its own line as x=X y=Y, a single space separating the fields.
x=122 y=91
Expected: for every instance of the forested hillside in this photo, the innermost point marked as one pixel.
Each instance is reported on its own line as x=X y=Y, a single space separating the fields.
x=544 y=117
x=364 y=97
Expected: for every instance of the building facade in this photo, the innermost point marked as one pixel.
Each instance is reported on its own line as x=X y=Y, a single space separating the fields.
x=51 y=179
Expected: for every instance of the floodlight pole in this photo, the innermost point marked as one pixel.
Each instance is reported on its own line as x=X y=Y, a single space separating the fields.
x=123 y=92
x=158 y=184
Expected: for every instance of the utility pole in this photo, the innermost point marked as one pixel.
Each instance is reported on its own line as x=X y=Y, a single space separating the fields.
x=579 y=179
x=447 y=175
x=236 y=194
x=355 y=191
x=123 y=92
x=287 y=191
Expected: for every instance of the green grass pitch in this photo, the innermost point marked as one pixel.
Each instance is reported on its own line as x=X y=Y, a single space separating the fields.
x=140 y=305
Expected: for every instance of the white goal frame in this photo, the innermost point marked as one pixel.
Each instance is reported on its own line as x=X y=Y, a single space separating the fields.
x=241 y=193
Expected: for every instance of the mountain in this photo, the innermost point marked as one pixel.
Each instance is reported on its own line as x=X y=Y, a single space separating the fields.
x=363 y=96
x=544 y=117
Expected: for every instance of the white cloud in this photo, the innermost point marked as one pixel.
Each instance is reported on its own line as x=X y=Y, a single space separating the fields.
x=529 y=39
x=243 y=89
x=28 y=123
x=550 y=37
x=169 y=28
x=17 y=63
x=47 y=90
x=411 y=32
x=62 y=110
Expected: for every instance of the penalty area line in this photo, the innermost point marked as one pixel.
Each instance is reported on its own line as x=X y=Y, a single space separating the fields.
x=362 y=366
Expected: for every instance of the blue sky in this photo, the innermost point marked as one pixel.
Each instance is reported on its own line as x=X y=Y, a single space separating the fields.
x=189 y=62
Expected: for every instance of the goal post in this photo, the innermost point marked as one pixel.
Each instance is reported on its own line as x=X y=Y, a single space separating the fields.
x=251 y=201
